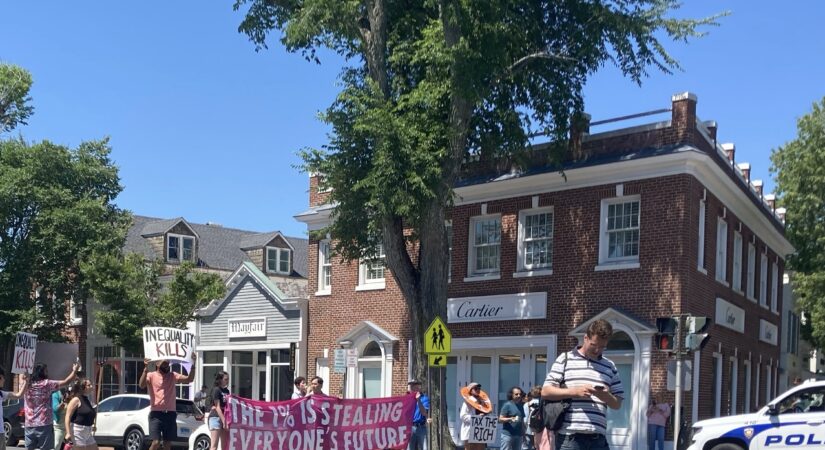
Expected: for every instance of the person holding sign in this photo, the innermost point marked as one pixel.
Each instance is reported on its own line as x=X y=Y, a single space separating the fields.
x=38 y=408
x=163 y=412
x=476 y=403
x=8 y=395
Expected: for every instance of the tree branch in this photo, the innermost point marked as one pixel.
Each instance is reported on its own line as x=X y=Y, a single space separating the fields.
x=539 y=55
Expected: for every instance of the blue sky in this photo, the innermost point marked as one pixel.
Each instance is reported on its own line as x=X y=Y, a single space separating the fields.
x=204 y=127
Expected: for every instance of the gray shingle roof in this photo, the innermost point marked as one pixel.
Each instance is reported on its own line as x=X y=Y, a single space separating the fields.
x=218 y=247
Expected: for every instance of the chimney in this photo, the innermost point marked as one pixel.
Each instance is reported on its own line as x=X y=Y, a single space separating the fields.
x=771 y=200
x=579 y=128
x=745 y=168
x=683 y=115
x=780 y=213
x=711 y=126
x=730 y=151
x=757 y=186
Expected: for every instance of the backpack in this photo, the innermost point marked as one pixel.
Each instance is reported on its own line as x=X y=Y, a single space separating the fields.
x=553 y=411
x=536 y=418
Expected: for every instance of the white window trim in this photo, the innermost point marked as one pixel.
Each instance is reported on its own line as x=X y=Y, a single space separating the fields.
x=722 y=251
x=734 y=384
x=763 y=281
x=327 y=290
x=748 y=380
x=736 y=282
x=371 y=285
x=751 y=286
x=180 y=237
x=700 y=263
x=627 y=261
x=520 y=266
x=774 y=288
x=472 y=273
x=717 y=402
x=768 y=383
x=278 y=251
x=75 y=317
x=756 y=387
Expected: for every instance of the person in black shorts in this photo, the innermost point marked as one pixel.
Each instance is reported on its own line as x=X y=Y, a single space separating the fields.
x=160 y=385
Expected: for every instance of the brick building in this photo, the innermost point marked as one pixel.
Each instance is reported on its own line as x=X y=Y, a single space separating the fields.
x=651 y=221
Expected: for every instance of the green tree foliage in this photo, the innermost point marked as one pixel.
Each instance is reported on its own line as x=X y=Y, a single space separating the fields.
x=799 y=167
x=432 y=84
x=133 y=295
x=55 y=211
x=15 y=83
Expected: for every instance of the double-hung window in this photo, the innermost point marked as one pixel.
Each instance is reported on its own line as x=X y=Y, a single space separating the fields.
x=371 y=269
x=737 y=261
x=763 y=281
x=535 y=244
x=751 y=271
x=774 y=288
x=485 y=245
x=619 y=237
x=180 y=248
x=277 y=260
x=324 y=267
x=721 y=250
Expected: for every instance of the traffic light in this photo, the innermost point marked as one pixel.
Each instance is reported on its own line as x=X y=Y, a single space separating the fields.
x=666 y=337
x=697 y=337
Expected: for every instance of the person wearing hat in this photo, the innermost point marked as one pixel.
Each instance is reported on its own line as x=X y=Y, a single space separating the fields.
x=475 y=404
x=418 y=439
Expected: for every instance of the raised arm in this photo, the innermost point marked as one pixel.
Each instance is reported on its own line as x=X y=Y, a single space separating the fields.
x=69 y=378
x=21 y=387
x=191 y=377
x=142 y=381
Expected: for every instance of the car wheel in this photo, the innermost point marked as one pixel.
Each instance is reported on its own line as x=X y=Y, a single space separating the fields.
x=133 y=440
x=202 y=442
x=7 y=429
x=726 y=446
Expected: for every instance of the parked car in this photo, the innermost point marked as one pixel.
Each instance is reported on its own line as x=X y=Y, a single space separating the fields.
x=200 y=439
x=123 y=421
x=13 y=421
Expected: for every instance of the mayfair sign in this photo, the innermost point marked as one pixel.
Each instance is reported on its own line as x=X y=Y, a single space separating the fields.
x=497 y=307
x=243 y=328
x=730 y=316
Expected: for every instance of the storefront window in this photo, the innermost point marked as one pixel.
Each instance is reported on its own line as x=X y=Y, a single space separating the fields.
x=371 y=382
x=131 y=376
x=181 y=390
x=281 y=376
x=621 y=418
x=508 y=375
x=540 y=370
x=480 y=371
x=620 y=341
x=212 y=364
x=241 y=376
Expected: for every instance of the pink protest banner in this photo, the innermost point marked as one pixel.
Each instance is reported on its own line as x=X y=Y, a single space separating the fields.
x=320 y=422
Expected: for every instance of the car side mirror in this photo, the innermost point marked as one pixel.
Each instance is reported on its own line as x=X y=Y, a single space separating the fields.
x=772 y=409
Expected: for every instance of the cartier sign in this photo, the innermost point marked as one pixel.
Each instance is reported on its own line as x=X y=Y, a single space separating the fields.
x=730 y=316
x=497 y=307
x=768 y=332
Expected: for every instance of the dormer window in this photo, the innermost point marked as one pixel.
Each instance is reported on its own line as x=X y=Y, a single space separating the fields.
x=180 y=248
x=277 y=260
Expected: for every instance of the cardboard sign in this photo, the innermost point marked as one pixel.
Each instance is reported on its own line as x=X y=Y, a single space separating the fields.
x=483 y=429
x=168 y=343
x=25 y=346
x=320 y=422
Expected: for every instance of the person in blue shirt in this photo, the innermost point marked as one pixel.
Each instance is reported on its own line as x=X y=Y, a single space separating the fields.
x=511 y=418
x=418 y=439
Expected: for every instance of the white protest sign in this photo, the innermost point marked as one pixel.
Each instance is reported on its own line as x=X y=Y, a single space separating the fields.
x=483 y=429
x=168 y=343
x=25 y=346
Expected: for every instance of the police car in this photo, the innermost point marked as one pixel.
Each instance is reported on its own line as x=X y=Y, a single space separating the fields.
x=795 y=419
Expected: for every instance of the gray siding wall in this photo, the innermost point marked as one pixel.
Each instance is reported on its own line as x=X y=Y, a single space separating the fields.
x=250 y=301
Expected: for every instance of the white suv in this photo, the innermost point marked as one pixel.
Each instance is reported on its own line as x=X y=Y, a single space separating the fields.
x=794 y=419
x=123 y=421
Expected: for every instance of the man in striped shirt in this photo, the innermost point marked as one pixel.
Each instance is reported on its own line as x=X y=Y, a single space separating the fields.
x=592 y=383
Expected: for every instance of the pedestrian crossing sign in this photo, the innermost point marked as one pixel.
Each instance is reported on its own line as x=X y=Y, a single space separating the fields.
x=437 y=360
x=437 y=338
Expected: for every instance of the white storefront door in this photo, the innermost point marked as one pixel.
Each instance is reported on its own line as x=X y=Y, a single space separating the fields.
x=619 y=430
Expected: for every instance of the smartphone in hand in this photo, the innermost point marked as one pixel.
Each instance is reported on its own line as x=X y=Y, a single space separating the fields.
x=598 y=387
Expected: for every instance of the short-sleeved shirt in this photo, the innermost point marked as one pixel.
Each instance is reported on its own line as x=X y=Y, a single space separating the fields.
x=658 y=414
x=418 y=417
x=161 y=391
x=38 y=398
x=3 y=396
x=585 y=415
x=510 y=409
x=219 y=394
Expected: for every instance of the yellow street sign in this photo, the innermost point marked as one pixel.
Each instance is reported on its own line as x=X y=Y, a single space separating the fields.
x=438 y=360
x=437 y=338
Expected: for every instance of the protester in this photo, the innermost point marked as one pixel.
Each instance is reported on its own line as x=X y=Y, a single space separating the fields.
x=200 y=398
x=528 y=443
x=218 y=428
x=8 y=395
x=466 y=413
x=60 y=398
x=418 y=438
x=300 y=388
x=594 y=387
x=39 y=426
x=542 y=439
x=80 y=417
x=511 y=417
x=163 y=412
x=657 y=414
x=316 y=385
